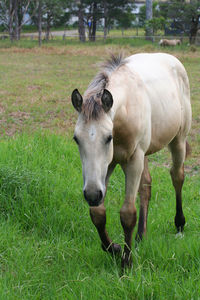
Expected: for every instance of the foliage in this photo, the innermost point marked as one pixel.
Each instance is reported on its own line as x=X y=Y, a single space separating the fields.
x=120 y=11
x=179 y=16
x=53 y=13
x=112 y=12
x=124 y=18
x=142 y=13
x=156 y=24
x=183 y=16
x=12 y=16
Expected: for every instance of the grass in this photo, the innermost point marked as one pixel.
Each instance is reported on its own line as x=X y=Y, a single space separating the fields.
x=130 y=37
x=49 y=248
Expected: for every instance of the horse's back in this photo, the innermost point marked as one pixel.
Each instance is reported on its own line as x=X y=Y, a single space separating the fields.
x=157 y=66
x=167 y=91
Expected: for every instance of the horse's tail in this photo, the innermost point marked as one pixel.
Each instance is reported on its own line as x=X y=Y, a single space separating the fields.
x=188 y=150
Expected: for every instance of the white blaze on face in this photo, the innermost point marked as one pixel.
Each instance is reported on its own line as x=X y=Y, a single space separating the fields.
x=92 y=133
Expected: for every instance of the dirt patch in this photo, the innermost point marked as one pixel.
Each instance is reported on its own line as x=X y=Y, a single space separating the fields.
x=13 y=122
x=34 y=87
x=19 y=115
x=2 y=109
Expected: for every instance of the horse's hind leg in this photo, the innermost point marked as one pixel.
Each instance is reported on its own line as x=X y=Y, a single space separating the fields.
x=145 y=195
x=178 y=151
x=98 y=216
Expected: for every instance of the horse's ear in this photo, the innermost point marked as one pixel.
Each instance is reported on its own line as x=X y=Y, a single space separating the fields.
x=107 y=100
x=77 y=100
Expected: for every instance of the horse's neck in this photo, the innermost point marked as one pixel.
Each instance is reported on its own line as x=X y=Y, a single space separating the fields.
x=119 y=100
x=120 y=83
x=117 y=104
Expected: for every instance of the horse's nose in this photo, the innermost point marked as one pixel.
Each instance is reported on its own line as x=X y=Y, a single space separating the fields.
x=93 y=198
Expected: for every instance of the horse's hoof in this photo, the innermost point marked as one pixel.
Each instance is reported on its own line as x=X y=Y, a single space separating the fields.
x=116 y=249
x=113 y=248
x=179 y=222
x=127 y=262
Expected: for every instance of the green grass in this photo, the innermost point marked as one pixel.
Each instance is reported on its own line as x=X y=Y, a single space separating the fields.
x=129 y=38
x=49 y=248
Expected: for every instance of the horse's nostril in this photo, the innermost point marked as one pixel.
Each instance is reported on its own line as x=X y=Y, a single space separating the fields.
x=100 y=195
x=93 y=198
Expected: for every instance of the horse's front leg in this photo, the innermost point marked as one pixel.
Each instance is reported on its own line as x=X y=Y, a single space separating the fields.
x=98 y=216
x=133 y=170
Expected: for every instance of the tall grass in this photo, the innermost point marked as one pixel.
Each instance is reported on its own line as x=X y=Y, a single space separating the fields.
x=49 y=248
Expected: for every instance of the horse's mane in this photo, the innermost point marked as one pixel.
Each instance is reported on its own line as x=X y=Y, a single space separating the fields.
x=92 y=108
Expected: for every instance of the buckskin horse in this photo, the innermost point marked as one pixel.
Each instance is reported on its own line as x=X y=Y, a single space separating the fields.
x=132 y=108
x=165 y=42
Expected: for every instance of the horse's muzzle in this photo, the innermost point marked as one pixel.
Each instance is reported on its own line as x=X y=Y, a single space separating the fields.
x=93 y=198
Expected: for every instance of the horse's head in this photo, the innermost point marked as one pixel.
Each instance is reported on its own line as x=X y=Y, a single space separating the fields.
x=93 y=134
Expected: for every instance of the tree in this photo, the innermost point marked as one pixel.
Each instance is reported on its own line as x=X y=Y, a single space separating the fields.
x=92 y=17
x=12 y=14
x=183 y=16
x=194 y=28
x=149 y=16
x=125 y=19
x=119 y=11
x=81 y=22
x=155 y=24
x=52 y=11
x=88 y=13
x=78 y=9
x=105 y=16
x=47 y=13
x=108 y=10
x=142 y=13
x=40 y=22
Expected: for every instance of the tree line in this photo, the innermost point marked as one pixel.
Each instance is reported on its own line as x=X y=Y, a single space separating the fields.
x=45 y=14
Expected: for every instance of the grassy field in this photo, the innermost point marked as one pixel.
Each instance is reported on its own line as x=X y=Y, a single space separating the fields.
x=49 y=248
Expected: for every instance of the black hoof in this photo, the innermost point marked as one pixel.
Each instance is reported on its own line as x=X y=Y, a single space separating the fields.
x=179 y=222
x=127 y=261
x=113 y=249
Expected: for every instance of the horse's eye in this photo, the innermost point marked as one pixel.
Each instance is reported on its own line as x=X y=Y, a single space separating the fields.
x=76 y=140
x=109 y=139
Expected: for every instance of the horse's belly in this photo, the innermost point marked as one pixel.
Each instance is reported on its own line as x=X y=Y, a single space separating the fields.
x=164 y=127
x=158 y=143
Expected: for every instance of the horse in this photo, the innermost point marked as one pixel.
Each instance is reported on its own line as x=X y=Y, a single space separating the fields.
x=165 y=42
x=132 y=108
